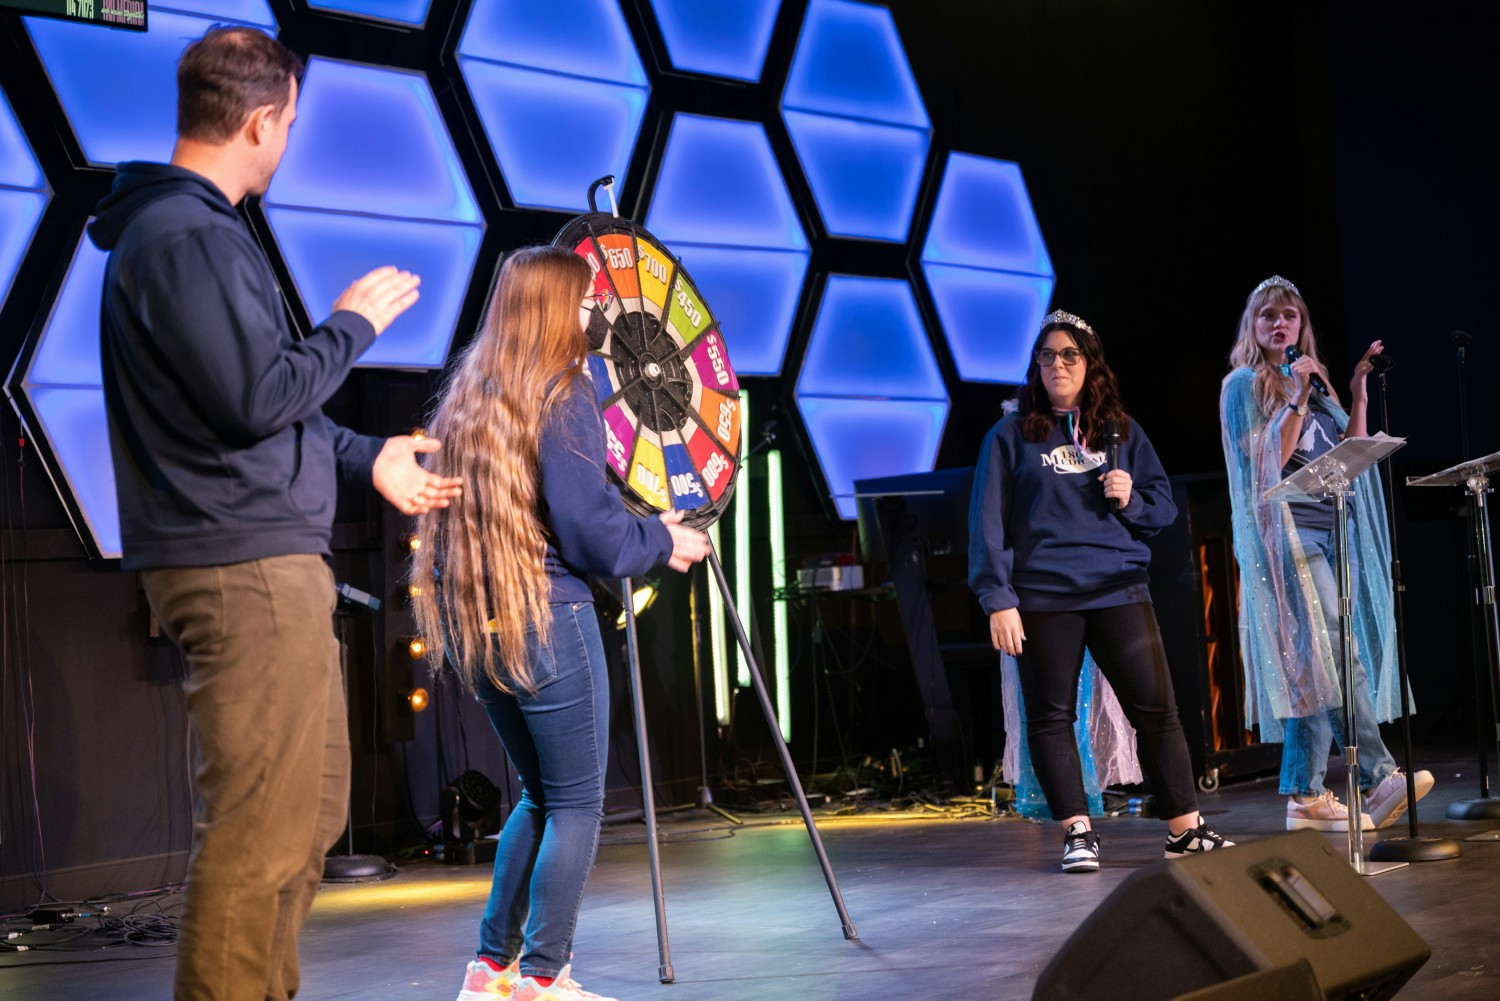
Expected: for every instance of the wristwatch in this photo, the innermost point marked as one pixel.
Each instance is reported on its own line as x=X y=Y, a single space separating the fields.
x=1300 y=409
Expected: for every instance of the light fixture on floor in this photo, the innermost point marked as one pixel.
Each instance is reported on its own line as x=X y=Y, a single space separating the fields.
x=468 y=809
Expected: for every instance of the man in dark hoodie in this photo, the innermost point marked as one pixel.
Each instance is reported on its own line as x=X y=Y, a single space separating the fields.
x=225 y=470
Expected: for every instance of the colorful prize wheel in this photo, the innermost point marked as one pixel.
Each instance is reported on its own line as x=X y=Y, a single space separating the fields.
x=661 y=369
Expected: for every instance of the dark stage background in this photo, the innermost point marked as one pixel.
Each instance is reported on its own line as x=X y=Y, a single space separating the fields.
x=1176 y=154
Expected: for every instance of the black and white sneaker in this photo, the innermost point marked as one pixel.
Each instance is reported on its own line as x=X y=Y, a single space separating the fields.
x=1080 y=849
x=1195 y=841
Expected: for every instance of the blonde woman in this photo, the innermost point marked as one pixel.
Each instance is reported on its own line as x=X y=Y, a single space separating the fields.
x=508 y=565
x=1275 y=419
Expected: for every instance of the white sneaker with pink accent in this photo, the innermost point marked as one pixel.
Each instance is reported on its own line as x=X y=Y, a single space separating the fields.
x=562 y=988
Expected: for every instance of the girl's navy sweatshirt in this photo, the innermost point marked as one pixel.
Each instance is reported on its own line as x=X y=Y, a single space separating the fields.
x=589 y=529
x=1042 y=535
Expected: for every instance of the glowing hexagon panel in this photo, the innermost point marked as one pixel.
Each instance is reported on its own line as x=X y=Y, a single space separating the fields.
x=90 y=68
x=721 y=204
x=404 y=11
x=727 y=38
x=870 y=393
x=857 y=120
x=23 y=195
x=220 y=11
x=370 y=177
x=560 y=91
x=987 y=268
x=64 y=387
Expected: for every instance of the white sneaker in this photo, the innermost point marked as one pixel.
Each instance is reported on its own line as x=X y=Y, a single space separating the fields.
x=1322 y=813
x=562 y=988
x=1080 y=849
x=482 y=982
x=1195 y=841
x=1387 y=801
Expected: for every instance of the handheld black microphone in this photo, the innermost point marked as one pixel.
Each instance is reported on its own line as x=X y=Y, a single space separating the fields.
x=1292 y=354
x=1381 y=363
x=1112 y=445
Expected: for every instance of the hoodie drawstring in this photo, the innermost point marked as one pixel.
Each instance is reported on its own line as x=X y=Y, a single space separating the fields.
x=1071 y=418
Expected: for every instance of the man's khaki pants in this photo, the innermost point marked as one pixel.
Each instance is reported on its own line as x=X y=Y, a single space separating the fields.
x=266 y=702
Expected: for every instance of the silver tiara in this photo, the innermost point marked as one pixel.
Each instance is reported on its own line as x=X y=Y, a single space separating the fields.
x=1275 y=280
x=1077 y=322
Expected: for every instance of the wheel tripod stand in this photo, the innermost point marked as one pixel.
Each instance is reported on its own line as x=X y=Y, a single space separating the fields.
x=664 y=950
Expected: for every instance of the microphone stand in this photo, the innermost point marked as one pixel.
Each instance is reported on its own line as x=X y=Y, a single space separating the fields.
x=352 y=867
x=705 y=791
x=1414 y=847
x=1483 y=807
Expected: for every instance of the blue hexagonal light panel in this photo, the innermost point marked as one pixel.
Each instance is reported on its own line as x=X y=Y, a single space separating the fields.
x=871 y=394
x=66 y=392
x=856 y=118
x=370 y=178
x=90 y=68
x=727 y=38
x=560 y=91
x=721 y=205
x=23 y=195
x=404 y=11
x=987 y=268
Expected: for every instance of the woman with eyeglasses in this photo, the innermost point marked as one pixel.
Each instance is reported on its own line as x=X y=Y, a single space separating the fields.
x=1057 y=558
x=1275 y=421
x=509 y=600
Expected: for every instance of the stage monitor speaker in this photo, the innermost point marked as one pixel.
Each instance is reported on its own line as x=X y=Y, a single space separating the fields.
x=1181 y=926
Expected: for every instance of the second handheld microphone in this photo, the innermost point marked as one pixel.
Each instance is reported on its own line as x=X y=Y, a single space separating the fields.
x=1112 y=444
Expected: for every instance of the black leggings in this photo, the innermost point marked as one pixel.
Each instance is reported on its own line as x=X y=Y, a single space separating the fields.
x=1127 y=646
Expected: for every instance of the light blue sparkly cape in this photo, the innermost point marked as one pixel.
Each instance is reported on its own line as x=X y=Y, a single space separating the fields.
x=1290 y=670
x=1106 y=742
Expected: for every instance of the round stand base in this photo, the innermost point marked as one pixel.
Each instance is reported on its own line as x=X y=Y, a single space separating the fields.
x=1419 y=849
x=1474 y=809
x=356 y=868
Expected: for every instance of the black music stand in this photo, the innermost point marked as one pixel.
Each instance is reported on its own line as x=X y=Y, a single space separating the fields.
x=1474 y=475
x=1331 y=475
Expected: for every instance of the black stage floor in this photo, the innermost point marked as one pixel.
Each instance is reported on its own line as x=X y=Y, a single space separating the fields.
x=946 y=908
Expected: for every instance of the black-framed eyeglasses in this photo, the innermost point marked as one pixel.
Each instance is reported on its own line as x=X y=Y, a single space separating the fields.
x=599 y=297
x=1046 y=356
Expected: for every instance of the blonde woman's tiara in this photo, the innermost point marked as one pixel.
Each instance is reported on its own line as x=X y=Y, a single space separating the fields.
x=1275 y=280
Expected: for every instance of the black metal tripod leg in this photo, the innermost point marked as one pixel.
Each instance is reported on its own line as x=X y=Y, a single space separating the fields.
x=648 y=796
x=759 y=683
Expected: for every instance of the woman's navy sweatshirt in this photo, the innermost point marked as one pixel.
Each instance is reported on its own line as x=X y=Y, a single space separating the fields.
x=589 y=529
x=1042 y=535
